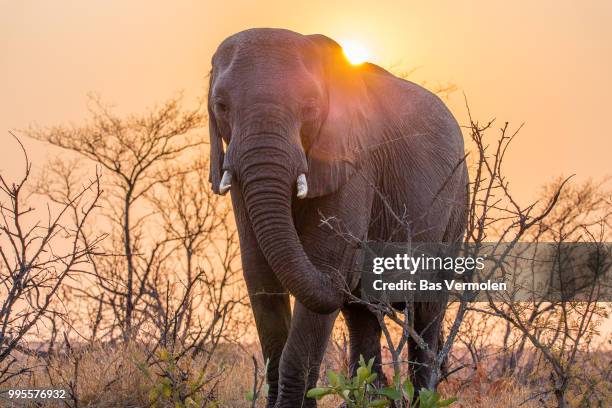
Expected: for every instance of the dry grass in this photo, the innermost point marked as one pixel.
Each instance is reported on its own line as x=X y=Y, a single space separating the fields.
x=106 y=376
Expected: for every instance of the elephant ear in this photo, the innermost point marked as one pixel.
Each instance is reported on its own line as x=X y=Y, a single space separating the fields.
x=334 y=152
x=216 y=146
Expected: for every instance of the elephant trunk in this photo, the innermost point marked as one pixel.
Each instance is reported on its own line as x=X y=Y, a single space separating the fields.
x=267 y=180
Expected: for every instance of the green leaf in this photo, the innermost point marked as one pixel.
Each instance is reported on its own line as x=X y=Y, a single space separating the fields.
x=265 y=389
x=371 y=378
x=390 y=392
x=341 y=380
x=346 y=394
x=379 y=403
x=408 y=389
x=397 y=380
x=153 y=394
x=425 y=398
x=447 y=402
x=249 y=395
x=166 y=391
x=333 y=379
x=362 y=374
x=371 y=364
x=319 y=392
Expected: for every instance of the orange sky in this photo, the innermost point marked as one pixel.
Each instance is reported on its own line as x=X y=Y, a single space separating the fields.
x=547 y=63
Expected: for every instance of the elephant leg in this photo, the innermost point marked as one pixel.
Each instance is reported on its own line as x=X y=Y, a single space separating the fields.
x=364 y=336
x=302 y=356
x=272 y=312
x=269 y=300
x=272 y=318
x=428 y=319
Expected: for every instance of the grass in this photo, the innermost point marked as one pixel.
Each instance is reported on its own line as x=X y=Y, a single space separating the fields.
x=109 y=376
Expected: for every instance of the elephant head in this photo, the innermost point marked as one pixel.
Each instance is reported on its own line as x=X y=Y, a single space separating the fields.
x=287 y=121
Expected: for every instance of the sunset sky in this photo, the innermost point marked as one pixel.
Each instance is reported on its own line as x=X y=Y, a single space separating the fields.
x=545 y=63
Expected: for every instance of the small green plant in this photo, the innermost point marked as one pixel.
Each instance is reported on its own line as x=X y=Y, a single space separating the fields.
x=361 y=391
x=173 y=385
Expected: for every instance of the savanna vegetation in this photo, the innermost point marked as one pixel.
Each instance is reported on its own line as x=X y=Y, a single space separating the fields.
x=120 y=282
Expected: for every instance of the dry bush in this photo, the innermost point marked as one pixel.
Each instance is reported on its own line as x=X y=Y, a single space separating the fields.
x=109 y=376
x=38 y=257
x=169 y=267
x=163 y=287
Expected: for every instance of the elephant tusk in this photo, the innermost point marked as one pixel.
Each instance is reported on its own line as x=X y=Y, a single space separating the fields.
x=302 y=186
x=226 y=182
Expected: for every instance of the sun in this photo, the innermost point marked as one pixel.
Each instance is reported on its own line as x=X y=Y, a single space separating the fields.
x=355 y=52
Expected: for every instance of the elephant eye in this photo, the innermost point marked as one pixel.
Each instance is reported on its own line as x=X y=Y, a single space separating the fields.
x=220 y=107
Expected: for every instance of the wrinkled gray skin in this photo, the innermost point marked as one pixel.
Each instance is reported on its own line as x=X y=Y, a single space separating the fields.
x=282 y=104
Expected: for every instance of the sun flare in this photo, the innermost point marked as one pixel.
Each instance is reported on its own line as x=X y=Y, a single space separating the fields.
x=355 y=52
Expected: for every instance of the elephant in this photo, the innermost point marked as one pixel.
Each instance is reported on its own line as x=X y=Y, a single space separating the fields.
x=321 y=155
